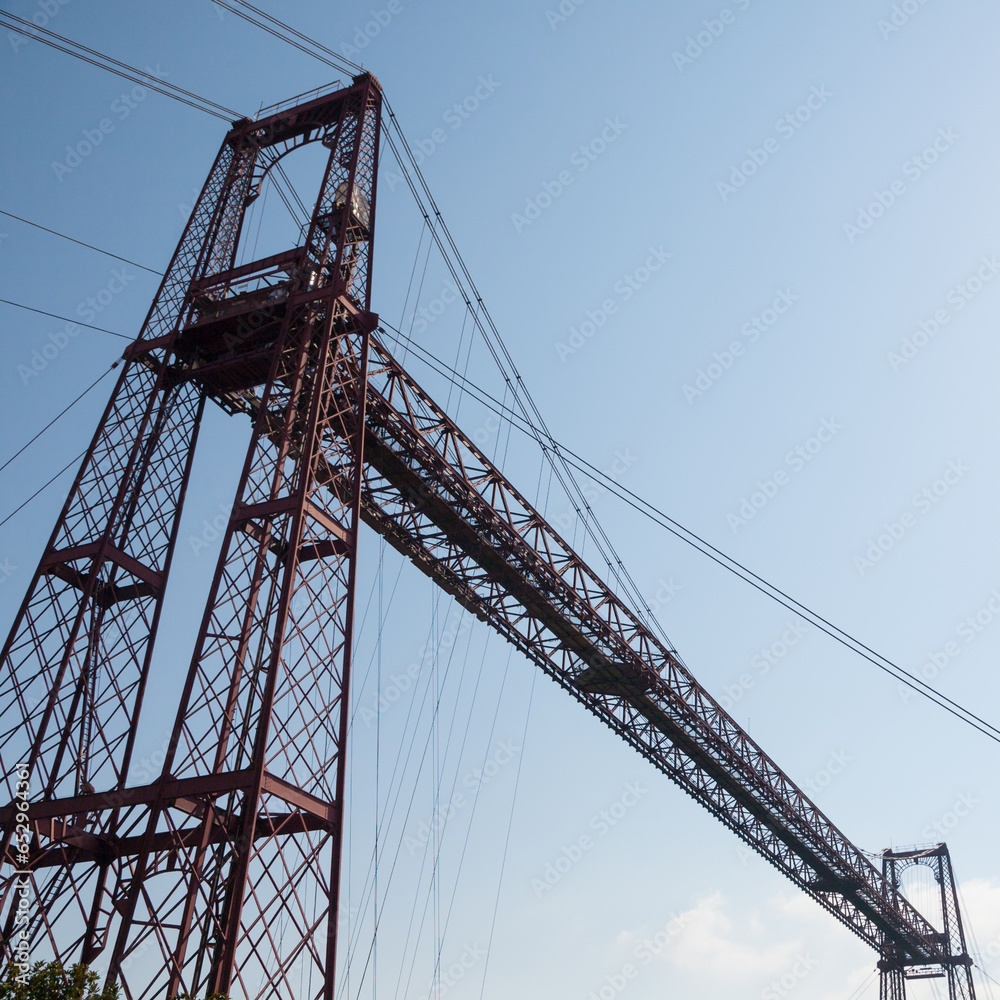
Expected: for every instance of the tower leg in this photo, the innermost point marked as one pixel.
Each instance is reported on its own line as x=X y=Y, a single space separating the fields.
x=236 y=883
x=892 y=985
x=960 y=985
x=74 y=668
x=223 y=874
x=76 y=662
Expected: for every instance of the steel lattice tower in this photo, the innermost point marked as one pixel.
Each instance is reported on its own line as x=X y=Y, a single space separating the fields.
x=245 y=822
x=223 y=874
x=958 y=970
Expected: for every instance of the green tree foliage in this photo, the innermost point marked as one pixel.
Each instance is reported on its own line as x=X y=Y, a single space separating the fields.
x=49 y=981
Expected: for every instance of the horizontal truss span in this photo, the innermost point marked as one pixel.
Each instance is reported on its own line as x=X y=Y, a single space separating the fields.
x=438 y=500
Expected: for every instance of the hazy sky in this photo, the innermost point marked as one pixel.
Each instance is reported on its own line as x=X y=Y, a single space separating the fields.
x=747 y=258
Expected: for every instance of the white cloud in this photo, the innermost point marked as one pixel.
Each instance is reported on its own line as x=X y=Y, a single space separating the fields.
x=785 y=942
x=780 y=946
x=712 y=940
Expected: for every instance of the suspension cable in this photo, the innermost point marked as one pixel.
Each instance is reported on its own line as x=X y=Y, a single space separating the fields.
x=110 y=65
x=727 y=562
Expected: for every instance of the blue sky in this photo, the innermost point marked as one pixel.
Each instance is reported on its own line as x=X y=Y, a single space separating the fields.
x=815 y=184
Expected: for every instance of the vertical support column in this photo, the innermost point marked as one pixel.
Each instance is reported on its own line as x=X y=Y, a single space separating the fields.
x=960 y=985
x=892 y=985
x=257 y=751
x=75 y=664
x=234 y=887
x=949 y=940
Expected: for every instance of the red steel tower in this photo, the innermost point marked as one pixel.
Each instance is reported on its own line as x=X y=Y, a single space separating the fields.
x=893 y=965
x=198 y=870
